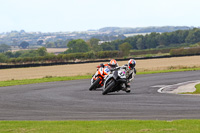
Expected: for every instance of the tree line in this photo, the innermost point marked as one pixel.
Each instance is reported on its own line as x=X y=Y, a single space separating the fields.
x=92 y=49
x=43 y=57
x=23 y=54
x=158 y=40
x=140 y=42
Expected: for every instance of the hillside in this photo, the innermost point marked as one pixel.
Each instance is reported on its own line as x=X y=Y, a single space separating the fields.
x=104 y=34
x=150 y=29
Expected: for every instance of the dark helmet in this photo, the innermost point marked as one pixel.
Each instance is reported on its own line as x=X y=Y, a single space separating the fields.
x=101 y=65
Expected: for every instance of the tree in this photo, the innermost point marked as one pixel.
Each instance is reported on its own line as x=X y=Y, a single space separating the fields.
x=76 y=46
x=163 y=40
x=42 y=51
x=132 y=41
x=17 y=54
x=125 y=48
x=24 y=45
x=107 y=47
x=3 y=58
x=139 y=43
x=4 y=48
x=9 y=54
x=93 y=41
x=50 y=45
x=94 y=44
x=39 y=42
x=97 y=48
x=151 y=40
x=193 y=36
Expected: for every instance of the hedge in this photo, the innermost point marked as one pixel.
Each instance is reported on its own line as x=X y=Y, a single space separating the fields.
x=185 y=51
x=150 y=51
x=65 y=57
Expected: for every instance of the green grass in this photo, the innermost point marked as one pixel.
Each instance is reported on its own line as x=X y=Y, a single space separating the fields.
x=41 y=80
x=170 y=70
x=197 y=89
x=53 y=79
x=108 y=126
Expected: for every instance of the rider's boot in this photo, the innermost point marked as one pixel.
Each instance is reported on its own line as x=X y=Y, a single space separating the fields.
x=128 y=88
x=123 y=87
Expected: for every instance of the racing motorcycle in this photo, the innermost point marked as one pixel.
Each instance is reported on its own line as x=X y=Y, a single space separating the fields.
x=115 y=81
x=98 y=78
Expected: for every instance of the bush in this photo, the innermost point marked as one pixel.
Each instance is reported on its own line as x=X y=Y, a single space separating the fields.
x=3 y=58
x=185 y=51
x=149 y=51
x=107 y=54
x=90 y=55
x=26 y=59
x=12 y=60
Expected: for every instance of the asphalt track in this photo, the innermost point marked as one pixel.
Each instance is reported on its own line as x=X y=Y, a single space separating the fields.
x=71 y=100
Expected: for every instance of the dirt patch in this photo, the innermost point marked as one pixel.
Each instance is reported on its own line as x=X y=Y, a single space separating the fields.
x=90 y=68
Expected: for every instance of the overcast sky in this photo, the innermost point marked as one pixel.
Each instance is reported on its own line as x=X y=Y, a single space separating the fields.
x=81 y=15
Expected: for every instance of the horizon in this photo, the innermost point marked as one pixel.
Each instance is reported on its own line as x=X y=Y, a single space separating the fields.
x=97 y=29
x=78 y=15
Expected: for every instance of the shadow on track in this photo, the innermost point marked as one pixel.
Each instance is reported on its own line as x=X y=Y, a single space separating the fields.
x=118 y=93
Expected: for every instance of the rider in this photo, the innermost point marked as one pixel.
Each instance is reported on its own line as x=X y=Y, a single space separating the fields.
x=130 y=73
x=111 y=65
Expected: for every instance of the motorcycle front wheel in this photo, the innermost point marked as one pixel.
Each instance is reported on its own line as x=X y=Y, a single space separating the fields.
x=95 y=84
x=109 y=87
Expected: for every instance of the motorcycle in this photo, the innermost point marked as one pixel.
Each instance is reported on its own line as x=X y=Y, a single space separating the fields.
x=115 y=81
x=98 y=78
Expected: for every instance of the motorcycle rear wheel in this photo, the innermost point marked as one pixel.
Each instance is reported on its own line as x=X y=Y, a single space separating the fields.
x=95 y=84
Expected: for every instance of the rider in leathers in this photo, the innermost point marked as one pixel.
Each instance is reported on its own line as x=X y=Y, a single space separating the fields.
x=111 y=66
x=130 y=73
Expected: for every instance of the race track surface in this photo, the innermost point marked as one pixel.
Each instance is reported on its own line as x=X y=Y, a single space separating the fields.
x=71 y=100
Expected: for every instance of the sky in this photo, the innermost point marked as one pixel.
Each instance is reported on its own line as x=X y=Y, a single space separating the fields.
x=82 y=15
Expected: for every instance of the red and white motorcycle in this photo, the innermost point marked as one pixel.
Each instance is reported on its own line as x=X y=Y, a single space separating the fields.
x=99 y=77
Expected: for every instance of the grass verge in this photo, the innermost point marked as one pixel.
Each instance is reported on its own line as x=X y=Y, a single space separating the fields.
x=108 y=126
x=197 y=91
x=41 y=80
x=170 y=70
x=53 y=79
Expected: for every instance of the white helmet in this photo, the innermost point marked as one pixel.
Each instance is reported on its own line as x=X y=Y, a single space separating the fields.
x=113 y=63
x=131 y=63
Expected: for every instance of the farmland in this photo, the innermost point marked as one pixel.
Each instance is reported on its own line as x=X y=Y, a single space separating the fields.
x=90 y=68
x=49 y=50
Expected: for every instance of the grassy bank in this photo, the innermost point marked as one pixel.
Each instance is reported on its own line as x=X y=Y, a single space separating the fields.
x=197 y=88
x=116 y=126
x=197 y=91
x=41 y=80
x=53 y=79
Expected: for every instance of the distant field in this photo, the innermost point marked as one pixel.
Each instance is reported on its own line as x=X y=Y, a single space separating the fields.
x=56 y=50
x=49 y=50
x=135 y=34
x=90 y=68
